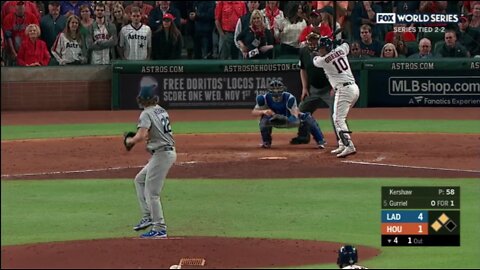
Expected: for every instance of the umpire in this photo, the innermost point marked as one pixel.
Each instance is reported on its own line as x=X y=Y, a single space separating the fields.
x=315 y=87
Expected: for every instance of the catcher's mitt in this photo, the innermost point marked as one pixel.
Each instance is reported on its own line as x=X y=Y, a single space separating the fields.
x=126 y=135
x=278 y=120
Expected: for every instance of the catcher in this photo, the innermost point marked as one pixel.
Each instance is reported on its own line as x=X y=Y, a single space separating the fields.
x=153 y=128
x=278 y=108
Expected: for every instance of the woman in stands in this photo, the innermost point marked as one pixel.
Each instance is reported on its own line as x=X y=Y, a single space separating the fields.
x=69 y=47
x=256 y=42
x=389 y=51
x=33 y=51
x=167 y=41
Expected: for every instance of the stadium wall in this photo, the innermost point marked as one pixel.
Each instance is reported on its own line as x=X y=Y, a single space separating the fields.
x=56 y=88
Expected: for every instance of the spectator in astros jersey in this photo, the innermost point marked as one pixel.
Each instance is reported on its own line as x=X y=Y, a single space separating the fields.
x=69 y=47
x=135 y=41
x=101 y=38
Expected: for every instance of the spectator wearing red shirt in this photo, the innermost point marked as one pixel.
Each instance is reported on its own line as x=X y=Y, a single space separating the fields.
x=316 y=19
x=3 y=46
x=227 y=14
x=400 y=29
x=14 y=26
x=10 y=7
x=33 y=51
x=144 y=10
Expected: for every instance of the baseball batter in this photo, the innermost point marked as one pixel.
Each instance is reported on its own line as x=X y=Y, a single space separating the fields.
x=278 y=102
x=154 y=128
x=335 y=64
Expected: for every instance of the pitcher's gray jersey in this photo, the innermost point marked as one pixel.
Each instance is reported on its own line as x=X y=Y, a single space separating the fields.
x=157 y=121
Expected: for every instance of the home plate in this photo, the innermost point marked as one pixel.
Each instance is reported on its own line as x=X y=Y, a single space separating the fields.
x=272 y=158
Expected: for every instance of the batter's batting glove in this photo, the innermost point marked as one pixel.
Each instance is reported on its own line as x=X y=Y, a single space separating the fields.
x=127 y=135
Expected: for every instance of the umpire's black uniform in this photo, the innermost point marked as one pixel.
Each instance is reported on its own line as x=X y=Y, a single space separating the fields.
x=319 y=92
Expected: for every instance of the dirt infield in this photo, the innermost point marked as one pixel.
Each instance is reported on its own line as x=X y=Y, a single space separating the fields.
x=218 y=252
x=223 y=156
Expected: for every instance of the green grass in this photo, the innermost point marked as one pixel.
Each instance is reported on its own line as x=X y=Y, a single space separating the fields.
x=76 y=130
x=341 y=210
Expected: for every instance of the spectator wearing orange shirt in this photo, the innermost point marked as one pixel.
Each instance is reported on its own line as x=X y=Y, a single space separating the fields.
x=33 y=51
x=10 y=7
x=144 y=10
x=227 y=14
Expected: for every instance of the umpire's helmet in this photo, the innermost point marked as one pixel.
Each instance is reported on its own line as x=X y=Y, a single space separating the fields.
x=276 y=89
x=347 y=255
x=325 y=42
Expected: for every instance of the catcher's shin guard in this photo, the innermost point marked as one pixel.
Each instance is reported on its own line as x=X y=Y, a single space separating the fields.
x=313 y=127
x=266 y=129
x=345 y=137
x=303 y=131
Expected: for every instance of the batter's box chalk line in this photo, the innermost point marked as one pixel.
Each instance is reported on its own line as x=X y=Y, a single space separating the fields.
x=408 y=167
x=72 y=171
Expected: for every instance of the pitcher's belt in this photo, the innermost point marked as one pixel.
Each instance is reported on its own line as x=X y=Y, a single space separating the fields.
x=164 y=149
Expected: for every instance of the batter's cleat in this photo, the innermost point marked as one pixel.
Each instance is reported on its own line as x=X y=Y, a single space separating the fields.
x=321 y=145
x=154 y=234
x=266 y=145
x=300 y=140
x=349 y=150
x=144 y=223
x=338 y=150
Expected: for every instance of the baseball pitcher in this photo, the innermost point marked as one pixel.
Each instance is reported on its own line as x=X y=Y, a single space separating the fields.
x=335 y=64
x=348 y=257
x=278 y=109
x=154 y=128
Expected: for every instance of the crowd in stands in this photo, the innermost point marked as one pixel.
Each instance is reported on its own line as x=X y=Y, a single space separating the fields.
x=39 y=33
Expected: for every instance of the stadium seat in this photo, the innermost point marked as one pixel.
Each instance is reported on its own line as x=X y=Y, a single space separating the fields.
x=438 y=46
x=412 y=47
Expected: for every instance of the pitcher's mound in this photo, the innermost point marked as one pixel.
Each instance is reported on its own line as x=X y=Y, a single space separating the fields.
x=162 y=253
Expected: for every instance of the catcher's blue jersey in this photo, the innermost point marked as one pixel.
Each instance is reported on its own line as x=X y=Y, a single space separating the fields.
x=283 y=107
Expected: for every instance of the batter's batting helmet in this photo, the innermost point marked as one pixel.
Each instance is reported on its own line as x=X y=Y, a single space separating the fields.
x=347 y=255
x=325 y=42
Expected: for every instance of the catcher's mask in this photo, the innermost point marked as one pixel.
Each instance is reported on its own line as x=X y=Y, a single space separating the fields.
x=347 y=255
x=276 y=89
x=325 y=43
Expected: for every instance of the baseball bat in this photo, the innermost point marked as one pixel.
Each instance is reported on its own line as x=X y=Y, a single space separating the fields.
x=334 y=34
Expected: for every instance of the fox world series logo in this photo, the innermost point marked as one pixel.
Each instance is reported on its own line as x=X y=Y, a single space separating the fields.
x=392 y=18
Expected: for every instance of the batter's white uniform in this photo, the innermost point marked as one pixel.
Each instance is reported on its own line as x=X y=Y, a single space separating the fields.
x=135 y=41
x=336 y=67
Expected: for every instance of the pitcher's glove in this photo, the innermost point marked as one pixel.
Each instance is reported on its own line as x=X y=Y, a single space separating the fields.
x=126 y=135
x=278 y=120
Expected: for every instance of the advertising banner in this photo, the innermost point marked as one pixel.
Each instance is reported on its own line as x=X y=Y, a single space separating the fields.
x=423 y=84
x=206 y=90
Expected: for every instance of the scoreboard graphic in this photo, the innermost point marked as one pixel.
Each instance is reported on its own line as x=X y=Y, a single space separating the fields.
x=420 y=216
